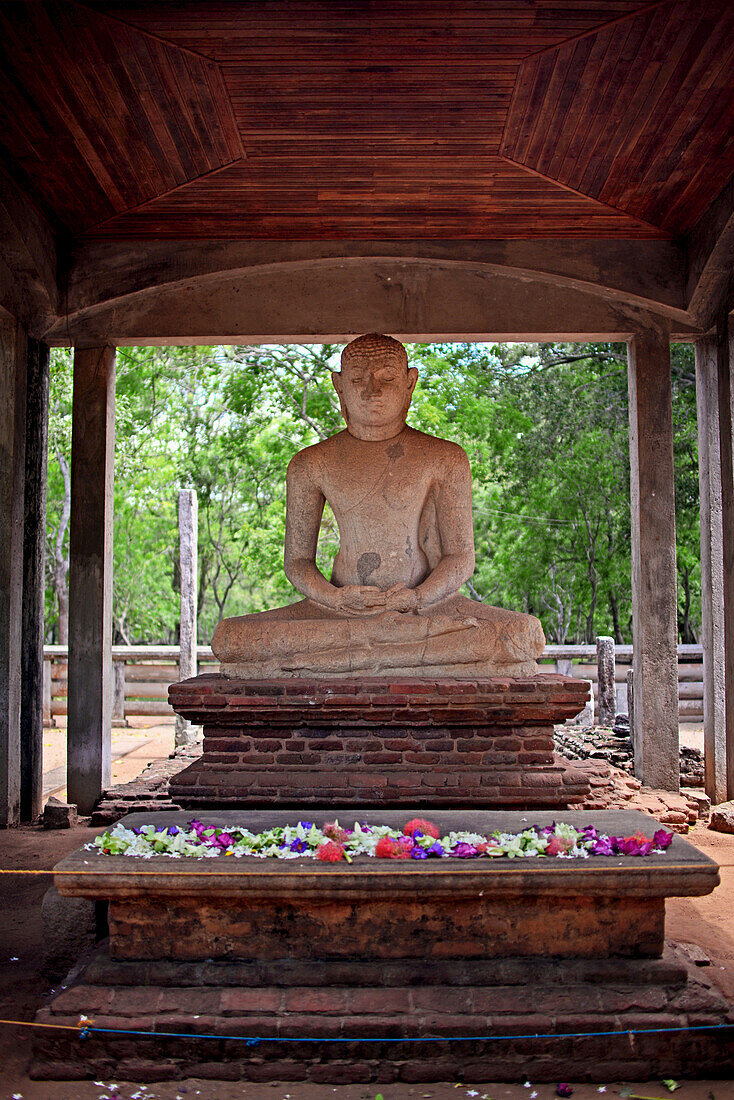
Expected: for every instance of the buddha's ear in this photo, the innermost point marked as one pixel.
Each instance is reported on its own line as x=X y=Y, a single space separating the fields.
x=412 y=379
x=336 y=378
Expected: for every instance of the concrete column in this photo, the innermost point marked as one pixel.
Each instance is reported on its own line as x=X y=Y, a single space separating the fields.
x=13 y=368
x=606 y=694
x=716 y=484
x=188 y=525
x=34 y=582
x=90 y=575
x=654 y=622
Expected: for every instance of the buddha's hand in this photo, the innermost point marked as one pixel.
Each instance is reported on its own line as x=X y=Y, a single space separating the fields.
x=401 y=598
x=360 y=599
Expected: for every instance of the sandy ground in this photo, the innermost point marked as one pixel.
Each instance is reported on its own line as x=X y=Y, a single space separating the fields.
x=707 y=922
x=133 y=747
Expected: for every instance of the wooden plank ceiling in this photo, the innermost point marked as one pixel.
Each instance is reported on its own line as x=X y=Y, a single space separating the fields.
x=369 y=118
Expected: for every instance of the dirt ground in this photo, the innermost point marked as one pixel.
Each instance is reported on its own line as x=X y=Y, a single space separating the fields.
x=707 y=922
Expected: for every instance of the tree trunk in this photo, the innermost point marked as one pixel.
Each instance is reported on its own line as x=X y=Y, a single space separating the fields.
x=614 y=608
x=61 y=559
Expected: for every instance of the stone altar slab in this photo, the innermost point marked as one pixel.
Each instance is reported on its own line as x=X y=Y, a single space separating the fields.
x=379 y=742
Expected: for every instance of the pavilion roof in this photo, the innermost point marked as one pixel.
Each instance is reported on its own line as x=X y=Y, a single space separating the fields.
x=369 y=119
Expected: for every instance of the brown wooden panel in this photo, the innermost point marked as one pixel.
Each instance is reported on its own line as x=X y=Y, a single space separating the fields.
x=383 y=31
x=369 y=117
x=647 y=118
x=441 y=194
x=101 y=117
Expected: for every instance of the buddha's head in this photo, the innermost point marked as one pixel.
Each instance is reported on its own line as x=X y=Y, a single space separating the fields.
x=375 y=386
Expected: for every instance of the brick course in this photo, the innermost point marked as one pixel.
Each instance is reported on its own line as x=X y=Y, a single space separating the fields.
x=390 y=1001
x=379 y=742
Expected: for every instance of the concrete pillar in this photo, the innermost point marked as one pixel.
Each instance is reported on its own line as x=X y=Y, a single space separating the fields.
x=13 y=369
x=606 y=694
x=654 y=621
x=716 y=483
x=34 y=582
x=188 y=525
x=90 y=575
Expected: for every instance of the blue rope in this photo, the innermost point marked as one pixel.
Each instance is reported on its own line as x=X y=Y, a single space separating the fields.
x=256 y=1040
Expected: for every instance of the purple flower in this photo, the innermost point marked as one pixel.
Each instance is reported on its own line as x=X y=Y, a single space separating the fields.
x=173 y=831
x=603 y=846
x=564 y=1090
x=298 y=845
x=419 y=853
x=662 y=839
x=417 y=834
x=435 y=849
x=465 y=851
x=224 y=840
x=306 y=824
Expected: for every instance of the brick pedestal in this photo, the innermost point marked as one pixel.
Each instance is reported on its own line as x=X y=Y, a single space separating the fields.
x=378 y=742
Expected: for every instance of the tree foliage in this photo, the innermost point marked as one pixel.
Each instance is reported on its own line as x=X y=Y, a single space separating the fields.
x=545 y=428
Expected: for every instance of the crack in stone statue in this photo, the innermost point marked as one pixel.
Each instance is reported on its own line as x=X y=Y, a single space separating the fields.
x=402 y=502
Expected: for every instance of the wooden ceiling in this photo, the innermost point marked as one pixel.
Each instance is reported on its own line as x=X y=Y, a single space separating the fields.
x=370 y=118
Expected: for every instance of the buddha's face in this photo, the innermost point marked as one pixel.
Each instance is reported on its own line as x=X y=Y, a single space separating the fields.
x=375 y=388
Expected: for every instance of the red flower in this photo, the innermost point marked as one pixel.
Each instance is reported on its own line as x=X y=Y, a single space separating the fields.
x=330 y=852
x=387 y=848
x=422 y=826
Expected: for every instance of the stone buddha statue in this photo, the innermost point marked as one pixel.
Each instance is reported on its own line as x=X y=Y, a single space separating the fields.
x=403 y=504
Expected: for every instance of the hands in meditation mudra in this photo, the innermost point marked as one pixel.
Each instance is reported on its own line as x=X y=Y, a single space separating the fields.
x=402 y=501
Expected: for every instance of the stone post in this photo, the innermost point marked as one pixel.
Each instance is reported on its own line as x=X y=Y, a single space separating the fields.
x=606 y=694
x=90 y=576
x=13 y=371
x=715 y=397
x=654 y=587
x=34 y=582
x=118 y=694
x=48 y=718
x=188 y=525
x=631 y=698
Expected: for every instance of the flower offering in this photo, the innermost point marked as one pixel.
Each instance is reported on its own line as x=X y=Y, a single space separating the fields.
x=333 y=843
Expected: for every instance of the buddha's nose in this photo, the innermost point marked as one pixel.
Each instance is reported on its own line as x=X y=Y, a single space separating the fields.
x=372 y=388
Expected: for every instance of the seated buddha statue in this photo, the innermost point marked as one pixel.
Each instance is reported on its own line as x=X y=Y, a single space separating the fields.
x=402 y=501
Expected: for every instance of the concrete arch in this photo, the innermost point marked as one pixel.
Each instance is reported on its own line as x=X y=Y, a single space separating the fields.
x=331 y=297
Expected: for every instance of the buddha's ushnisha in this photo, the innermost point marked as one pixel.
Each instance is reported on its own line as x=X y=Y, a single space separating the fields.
x=402 y=502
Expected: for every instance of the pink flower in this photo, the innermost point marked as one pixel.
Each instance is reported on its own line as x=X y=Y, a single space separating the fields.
x=335 y=832
x=557 y=845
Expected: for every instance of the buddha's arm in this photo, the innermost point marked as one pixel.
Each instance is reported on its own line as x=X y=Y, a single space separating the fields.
x=304 y=509
x=456 y=530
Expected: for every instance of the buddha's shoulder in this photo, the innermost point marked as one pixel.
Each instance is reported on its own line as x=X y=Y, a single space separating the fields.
x=313 y=458
x=441 y=451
